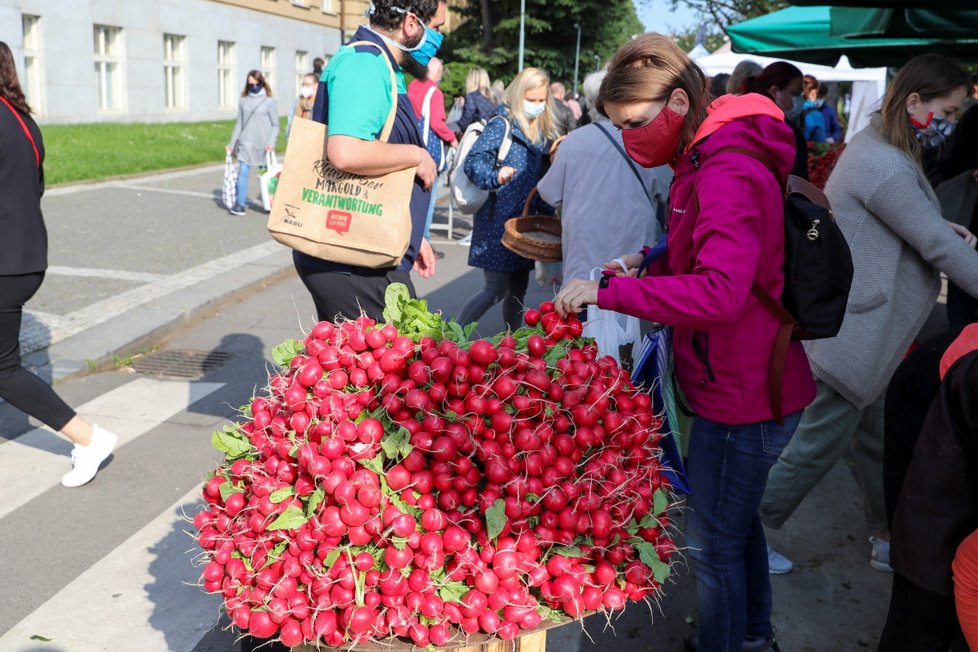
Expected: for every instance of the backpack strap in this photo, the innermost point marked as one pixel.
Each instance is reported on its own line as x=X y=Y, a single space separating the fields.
x=631 y=164
x=426 y=114
x=507 y=143
x=788 y=324
x=27 y=132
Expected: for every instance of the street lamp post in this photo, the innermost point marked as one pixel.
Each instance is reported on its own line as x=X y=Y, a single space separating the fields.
x=597 y=63
x=522 y=30
x=577 y=56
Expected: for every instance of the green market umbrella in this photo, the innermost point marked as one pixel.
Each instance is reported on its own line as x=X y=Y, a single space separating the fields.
x=889 y=4
x=851 y=22
x=805 y=34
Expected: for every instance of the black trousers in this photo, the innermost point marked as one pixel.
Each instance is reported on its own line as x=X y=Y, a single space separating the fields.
x=347 y=295
x=19 y=387
x=920 y=621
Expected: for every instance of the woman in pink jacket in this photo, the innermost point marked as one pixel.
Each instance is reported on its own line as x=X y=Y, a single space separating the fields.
x=725 y=233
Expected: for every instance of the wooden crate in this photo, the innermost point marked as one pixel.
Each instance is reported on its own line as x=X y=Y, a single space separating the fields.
x=533 y=642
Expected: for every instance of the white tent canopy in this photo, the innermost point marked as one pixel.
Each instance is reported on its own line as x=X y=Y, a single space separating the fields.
x=868 y=83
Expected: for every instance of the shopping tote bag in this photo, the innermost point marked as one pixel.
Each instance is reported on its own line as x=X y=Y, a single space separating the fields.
x=340 y=216
x=229 y=190
x=268 y=180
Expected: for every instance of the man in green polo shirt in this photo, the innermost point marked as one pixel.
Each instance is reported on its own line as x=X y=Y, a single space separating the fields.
x=355 y=99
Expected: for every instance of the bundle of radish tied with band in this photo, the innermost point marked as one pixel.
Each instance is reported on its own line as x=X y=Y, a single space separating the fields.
x=399 y=481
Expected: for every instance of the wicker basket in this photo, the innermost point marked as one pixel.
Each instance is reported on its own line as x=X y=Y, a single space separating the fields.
x=536 y=237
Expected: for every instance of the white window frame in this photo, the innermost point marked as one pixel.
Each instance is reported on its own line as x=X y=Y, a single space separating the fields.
x=326 y=6
x=226 y=87
x=108 y=68
x=302 y=68
x=300 y=3
x=267 y=65
x=174 y=72
x=33 y=82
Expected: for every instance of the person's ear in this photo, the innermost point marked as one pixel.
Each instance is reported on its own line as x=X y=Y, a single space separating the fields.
x=913 y=101
x=679 y=102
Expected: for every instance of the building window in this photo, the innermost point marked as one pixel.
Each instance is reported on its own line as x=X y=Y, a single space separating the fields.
x=327 y=6
x=301 y=68
x=268 y=64
x=32 y=61
x=173 y=71
x=108 y=63
x=225 y=75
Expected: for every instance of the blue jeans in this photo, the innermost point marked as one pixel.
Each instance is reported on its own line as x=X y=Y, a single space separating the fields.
x=244 y=171
x=431 y=210
x=727 y=468
x=508 y=287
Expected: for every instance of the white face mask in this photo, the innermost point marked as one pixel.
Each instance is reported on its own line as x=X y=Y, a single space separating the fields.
x=308 y=91
x=533 y=109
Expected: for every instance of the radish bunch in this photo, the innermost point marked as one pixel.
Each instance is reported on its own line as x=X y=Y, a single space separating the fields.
x=430 y=488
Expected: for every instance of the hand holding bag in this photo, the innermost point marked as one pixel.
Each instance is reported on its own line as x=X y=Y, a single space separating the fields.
x=339 y=216
x=610 y=330
x=268 y=181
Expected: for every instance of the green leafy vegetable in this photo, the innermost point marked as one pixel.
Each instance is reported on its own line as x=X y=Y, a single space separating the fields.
x=281 y=494
x=496 y=518
x=290 y=519
x=284 y=352
x=232 y=443
x=649 y=557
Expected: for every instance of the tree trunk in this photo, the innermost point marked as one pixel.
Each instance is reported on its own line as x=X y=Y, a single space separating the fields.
x=486 y=24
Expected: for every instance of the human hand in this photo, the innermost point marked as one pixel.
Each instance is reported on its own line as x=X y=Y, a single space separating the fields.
x=969 y=238
x=424 y=264
x=229 y=149
x=269 y=148
x=427 y=170
x=574 y=296
x=630 y=267
x=505 y=174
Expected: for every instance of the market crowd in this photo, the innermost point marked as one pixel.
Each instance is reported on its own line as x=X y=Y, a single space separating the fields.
x=697 y=168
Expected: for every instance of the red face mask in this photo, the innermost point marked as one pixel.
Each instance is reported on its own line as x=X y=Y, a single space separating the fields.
x=656 y=143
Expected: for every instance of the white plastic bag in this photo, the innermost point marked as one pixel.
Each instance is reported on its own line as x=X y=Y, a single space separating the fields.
x=268 y=181
x=611 y=330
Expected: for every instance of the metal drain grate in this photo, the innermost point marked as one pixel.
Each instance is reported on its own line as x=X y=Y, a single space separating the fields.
x=180 y=363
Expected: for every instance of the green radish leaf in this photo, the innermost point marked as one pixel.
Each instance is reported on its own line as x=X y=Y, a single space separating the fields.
x=290 y=519
x=549 y=614
x=231 y=442
x=496 y=518
x=648 y=521
x=315 y=500
x=648 y=555
x=331 y=558
x=566 y=551
x=556 y=352
x=632 y=527
x=397 y=444
x=38 y=637
x=276 y=552
x=375 y=464
x=660 y=501
x=468 y=329
x=284 y=352
x=279 y=495
x=394 y=296
x=399 y=542
x=453 y=591
x=227 y=489
x=532 y=497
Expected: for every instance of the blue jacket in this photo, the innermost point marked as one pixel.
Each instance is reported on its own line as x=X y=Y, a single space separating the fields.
x=477 y=107
x=487 y=251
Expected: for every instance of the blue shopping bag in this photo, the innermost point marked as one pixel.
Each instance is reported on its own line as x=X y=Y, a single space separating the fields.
x=653 y=369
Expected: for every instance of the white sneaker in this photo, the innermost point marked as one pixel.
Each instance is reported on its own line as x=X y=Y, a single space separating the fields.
x=466 y=241
x=85 y=460
x=880 y=557
x=778 y=564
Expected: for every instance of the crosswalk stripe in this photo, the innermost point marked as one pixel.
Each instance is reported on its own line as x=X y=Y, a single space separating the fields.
x=34 y=462
x=135 y=598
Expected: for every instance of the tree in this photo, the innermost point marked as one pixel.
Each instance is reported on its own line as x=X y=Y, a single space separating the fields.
x=728 y=12
x=488 y=35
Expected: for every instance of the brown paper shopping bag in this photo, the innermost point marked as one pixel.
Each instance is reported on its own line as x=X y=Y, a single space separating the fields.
x=335 y=215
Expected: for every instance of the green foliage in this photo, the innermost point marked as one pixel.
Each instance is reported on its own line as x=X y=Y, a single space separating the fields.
x=91 y=152
x=727 y=12
x=550 y=36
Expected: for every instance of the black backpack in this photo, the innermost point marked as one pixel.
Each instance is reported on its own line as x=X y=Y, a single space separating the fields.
x=817 y=271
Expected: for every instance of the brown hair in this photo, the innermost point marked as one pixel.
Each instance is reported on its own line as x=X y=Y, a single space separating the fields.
x=779 y=74
x=10 y=88
x=930 y=76
x=260 y=78
x=650 y=68
x=809 y=84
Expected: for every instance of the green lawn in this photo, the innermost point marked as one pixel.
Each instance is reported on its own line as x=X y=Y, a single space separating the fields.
x=90 y=152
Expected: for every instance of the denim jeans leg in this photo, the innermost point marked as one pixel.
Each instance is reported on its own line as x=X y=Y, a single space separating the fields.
x=491 y=293
x=431 y=210
x=244 y=171
x=865 y=461
x=728 y=467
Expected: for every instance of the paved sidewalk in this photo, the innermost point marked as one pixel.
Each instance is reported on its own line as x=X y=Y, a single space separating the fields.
x=157 y=262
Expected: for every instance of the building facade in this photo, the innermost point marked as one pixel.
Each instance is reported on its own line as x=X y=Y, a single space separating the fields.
x=165 y=60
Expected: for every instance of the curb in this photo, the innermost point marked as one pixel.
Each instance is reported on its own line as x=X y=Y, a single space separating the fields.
x=141 y=326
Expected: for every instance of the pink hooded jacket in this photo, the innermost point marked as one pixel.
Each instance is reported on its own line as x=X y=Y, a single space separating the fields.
x=721 y=241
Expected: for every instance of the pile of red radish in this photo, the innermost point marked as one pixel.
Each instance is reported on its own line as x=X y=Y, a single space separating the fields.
x=431 y=489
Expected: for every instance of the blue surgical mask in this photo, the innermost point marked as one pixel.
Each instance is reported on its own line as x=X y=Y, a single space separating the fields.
x=426 y=48
x=797 y=107
x=533 y=109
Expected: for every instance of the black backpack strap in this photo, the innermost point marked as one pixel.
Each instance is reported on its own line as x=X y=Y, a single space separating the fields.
x=631 y=164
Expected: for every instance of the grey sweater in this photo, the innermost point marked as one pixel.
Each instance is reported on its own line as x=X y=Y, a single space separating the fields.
x=892 y=221
x=256 y=126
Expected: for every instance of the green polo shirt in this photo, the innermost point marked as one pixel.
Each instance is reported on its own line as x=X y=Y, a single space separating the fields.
x=359 y=90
